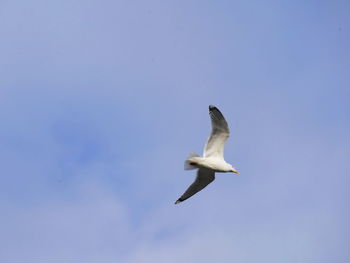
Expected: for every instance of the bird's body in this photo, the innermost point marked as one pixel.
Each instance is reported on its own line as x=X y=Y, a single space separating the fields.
x=212 y=163
x=213 y=156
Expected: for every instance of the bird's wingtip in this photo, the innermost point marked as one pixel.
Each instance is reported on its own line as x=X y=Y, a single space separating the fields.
x=178 y=201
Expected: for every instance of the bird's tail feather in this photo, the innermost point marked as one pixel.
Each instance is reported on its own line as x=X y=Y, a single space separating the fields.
x=188 y=165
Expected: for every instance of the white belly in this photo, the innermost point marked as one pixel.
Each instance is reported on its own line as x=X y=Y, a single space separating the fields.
x=218 y=165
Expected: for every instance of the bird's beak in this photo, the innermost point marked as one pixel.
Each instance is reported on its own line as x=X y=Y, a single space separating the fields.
x=235 y=171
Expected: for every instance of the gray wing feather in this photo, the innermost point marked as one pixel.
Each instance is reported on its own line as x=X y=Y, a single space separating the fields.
x=204 y=177
x=219 y=134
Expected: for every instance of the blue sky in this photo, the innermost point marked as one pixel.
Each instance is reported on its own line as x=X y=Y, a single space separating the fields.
x=101 y=101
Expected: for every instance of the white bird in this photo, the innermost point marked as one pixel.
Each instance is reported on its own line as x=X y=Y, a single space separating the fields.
x=213 y=156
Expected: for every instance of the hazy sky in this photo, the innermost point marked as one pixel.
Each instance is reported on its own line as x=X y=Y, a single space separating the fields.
x=101 y=102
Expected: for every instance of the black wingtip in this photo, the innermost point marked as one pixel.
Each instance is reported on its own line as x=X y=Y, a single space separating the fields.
x=179 y=201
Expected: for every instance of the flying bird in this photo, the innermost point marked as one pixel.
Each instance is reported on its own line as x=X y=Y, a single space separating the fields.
x=213 y=156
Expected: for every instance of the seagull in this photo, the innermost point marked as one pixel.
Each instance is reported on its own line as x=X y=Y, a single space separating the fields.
x=213 y=156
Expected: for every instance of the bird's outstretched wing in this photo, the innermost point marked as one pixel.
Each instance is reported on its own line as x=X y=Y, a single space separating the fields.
x=219 y=134
x=204 y=177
